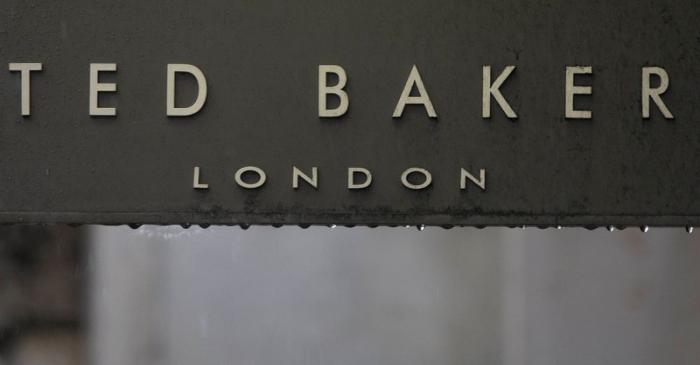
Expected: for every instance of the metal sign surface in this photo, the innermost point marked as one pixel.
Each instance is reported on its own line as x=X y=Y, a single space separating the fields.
x=350 y=112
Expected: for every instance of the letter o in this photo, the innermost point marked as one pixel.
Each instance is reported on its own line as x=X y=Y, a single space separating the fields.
x=416 y=170
x=261 y=177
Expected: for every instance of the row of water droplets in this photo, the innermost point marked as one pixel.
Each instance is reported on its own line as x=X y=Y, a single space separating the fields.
x=420 y=227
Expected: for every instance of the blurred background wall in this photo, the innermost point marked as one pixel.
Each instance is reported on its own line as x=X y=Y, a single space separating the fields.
x=42 y=295
x=166 y=295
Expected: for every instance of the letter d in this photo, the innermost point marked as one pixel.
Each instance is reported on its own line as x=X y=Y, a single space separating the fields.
x=352 y=185
x=174 y=111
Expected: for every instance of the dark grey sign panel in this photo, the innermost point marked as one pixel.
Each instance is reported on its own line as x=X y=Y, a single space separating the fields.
x=515 y=112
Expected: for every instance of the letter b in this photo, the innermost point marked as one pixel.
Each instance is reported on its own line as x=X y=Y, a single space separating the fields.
x=324 y=90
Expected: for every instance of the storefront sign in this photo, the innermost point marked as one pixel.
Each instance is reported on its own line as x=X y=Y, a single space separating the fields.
x=338 y=112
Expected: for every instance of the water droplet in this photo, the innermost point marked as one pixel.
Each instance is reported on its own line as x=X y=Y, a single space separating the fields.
x=558 y=227
x=332 y=226
x=421 y=227
x=185 y=225
x=134 y=226
x=611 y=228
x=244 y=226
x=644 y=229
x=689 y=229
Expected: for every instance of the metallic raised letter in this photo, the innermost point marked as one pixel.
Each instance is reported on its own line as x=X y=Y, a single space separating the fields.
x=25 y=70
x=174 y=111
x=654 y=94
x=428 y=178
x=351 y=178
x=196 y=184
x=261 y=177
x=494 y=90
x=480 y=182
x=296 y=174
x=324 y=90
x=572 y=90
x=96 y=87
x=422 y=98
